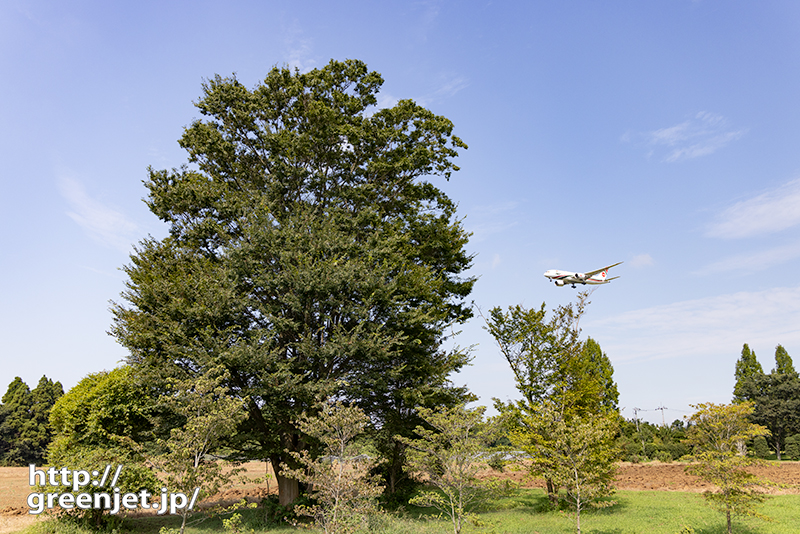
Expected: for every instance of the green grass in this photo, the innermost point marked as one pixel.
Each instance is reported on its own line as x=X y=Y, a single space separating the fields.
x=636 y=512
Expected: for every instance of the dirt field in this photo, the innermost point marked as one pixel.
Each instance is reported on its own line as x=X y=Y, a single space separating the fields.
x=14 y=487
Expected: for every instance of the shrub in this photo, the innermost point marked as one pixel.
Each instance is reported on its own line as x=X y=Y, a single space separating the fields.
x=664 y=457
x=760 y=447
x=793 y=447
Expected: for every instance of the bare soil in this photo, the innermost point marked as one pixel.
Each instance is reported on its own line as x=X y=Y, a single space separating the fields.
x=14 y=488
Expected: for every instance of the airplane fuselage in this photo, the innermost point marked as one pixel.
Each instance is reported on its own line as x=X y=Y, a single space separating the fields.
x=565 y=277
x=597 y=277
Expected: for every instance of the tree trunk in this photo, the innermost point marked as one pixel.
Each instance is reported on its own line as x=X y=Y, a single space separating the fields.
x=288 y=489
x=552 y=494
x=728 y=512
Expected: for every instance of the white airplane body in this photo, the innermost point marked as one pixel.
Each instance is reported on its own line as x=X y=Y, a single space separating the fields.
x=562 y=278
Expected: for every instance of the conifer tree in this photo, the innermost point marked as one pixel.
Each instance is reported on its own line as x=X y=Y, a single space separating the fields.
x=25 y=430
x=783 y=362
x=747 y=366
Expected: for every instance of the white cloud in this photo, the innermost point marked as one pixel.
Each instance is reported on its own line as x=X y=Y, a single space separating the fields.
x=703 y=134
x=450 y=84
x=297 y=48
x=702 y=328
x=642 y=260
x=769 y=212
x=102 y=223
x=496 y=261
x=753 y=262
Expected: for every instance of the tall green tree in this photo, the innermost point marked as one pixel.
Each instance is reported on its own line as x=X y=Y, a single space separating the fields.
x=308 y=255
x=783 y=362
x=776 y=399
x=747 y=366
x=25 y=429
x=553 y=368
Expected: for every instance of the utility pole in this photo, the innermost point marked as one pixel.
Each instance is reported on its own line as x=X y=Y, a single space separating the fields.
x=641 y=438
x=662 y=408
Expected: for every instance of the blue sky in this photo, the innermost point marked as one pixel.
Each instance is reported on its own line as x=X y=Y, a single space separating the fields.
x=664 y=134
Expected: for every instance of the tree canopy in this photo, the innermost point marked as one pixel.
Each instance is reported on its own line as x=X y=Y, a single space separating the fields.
x=308 y=255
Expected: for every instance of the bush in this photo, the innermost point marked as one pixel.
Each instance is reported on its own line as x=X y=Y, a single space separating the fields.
x=760 y=447
x=793 y=447
x=664 y=457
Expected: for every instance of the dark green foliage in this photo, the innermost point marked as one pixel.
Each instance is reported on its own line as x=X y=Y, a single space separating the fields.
x=793 y=447
x=308 y=256
x=24 y=421
x=777 y=405
x=760 y=447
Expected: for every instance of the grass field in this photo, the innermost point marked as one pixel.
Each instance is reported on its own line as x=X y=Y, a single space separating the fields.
x=637 y=512
x=655 y=498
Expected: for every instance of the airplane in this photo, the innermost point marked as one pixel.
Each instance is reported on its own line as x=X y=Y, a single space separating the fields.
x=562 y=278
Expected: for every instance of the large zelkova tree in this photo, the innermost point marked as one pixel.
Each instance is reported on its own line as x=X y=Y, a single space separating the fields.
x=25 y=430
x=776 y=398
x=562 y=380
x=715 y=432
x=308 y=255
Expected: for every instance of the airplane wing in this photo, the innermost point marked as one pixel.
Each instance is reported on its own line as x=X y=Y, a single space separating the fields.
x=592 y=273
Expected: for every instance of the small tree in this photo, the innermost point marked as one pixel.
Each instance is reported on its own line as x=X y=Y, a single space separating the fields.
x=341 y=484
x=449 y=456
x=715 y=432
x=210 y=414
x=579 y=453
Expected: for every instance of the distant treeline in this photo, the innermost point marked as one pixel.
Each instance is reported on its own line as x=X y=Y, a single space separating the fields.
x=776 y=399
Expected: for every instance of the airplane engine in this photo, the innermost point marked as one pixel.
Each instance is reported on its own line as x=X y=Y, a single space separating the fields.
x=580 y=276
x=559 y=283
